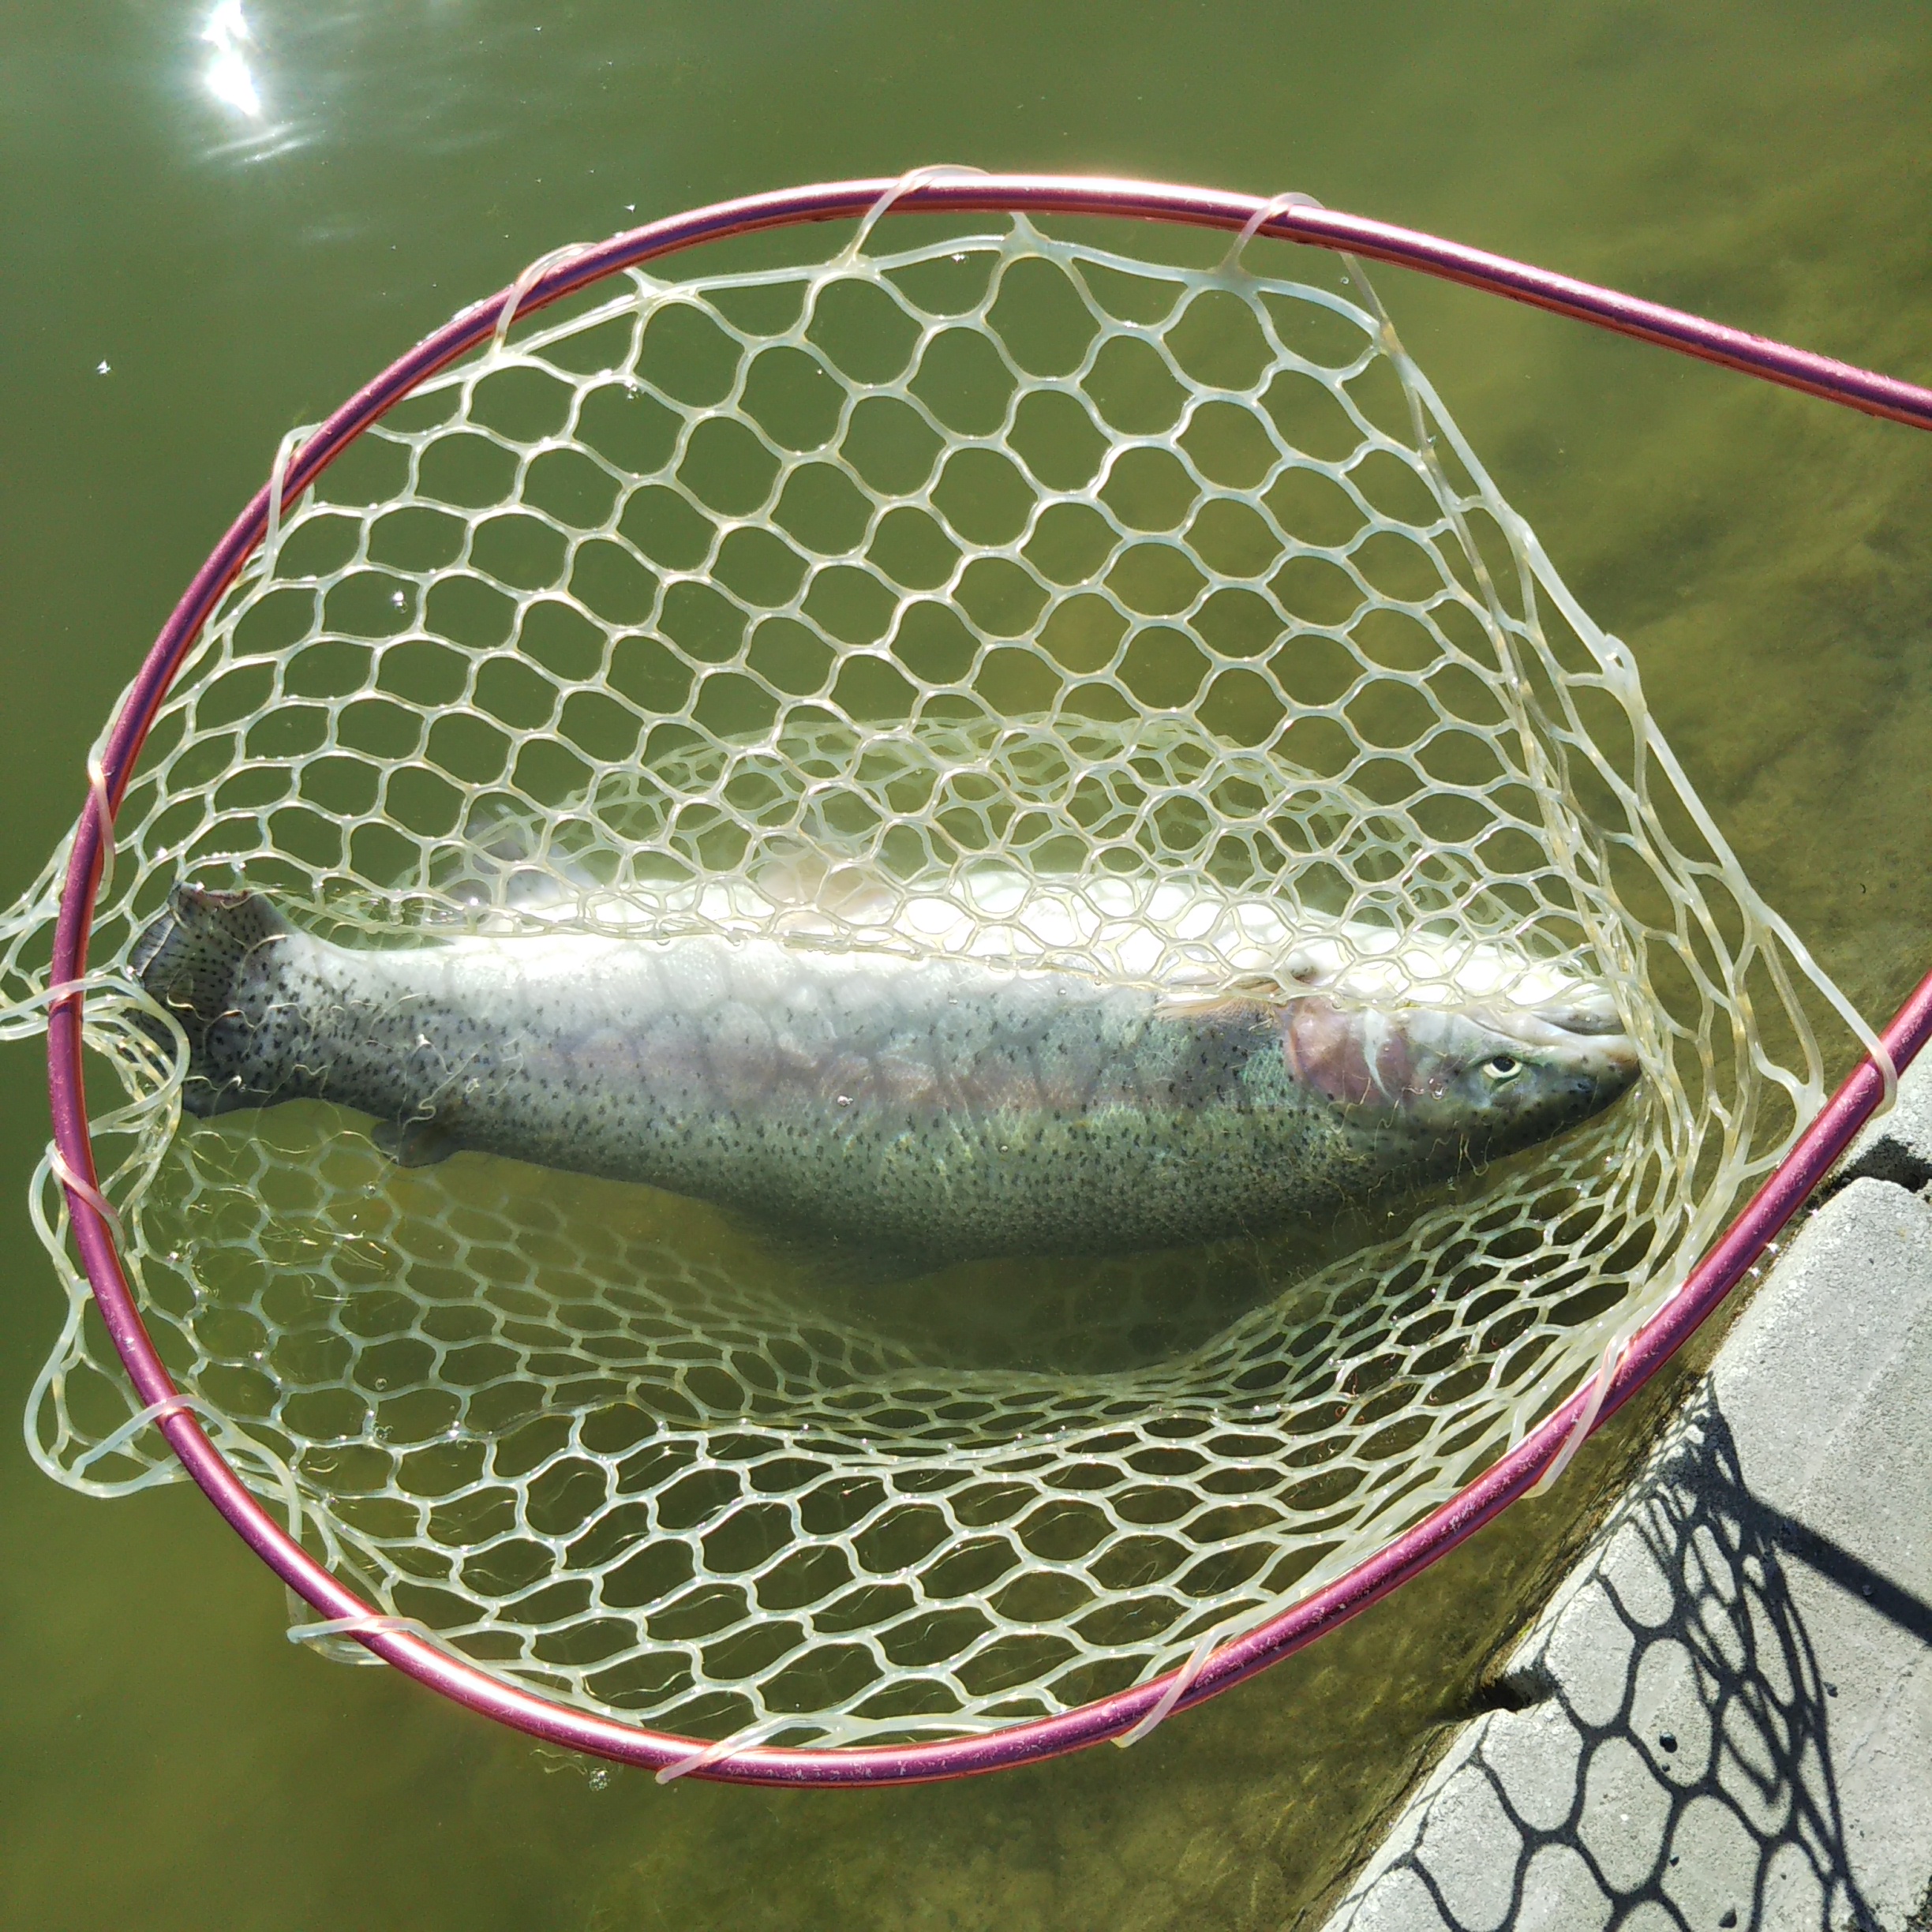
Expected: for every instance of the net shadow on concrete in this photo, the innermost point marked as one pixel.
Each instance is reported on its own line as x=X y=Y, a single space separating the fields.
x=1663 y=1756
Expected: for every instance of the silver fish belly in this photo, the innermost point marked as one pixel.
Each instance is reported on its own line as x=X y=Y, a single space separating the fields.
x=938 y=1109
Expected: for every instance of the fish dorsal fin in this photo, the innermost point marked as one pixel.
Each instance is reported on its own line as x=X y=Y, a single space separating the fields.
x=1244 y=994
x=850 y=892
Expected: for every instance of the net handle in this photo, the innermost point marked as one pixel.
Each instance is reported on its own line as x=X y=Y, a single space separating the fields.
x=1510 y=1476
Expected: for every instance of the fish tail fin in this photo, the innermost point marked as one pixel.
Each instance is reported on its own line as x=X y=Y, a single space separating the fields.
x=190 y=959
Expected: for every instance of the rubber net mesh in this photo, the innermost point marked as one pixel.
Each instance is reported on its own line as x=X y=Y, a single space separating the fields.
x=1111 y=599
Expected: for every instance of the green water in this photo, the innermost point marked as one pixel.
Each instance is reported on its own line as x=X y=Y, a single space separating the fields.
x=167 y=1758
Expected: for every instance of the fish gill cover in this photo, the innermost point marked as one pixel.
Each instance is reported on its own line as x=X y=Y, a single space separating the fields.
x=1010 y=597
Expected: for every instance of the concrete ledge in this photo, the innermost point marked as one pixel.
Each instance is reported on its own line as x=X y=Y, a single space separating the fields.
x=1727 y=1705
x=1897 y=1146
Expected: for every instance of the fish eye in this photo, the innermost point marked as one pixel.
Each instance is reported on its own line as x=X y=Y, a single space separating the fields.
x=1502 y=1067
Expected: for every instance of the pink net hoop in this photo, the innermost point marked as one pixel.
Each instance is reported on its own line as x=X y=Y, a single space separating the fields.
x=1128 y=1713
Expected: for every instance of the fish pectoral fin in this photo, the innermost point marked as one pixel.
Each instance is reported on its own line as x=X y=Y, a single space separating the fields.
x=414 y=1143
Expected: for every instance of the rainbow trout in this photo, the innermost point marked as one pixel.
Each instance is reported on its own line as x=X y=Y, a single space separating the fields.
x=938 y=1108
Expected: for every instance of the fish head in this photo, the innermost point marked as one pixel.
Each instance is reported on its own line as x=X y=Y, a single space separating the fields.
x=1485 y=1080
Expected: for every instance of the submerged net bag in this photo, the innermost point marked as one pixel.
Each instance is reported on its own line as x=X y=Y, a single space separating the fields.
x=1132 y=608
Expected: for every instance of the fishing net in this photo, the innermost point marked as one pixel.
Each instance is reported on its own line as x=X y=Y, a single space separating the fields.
x=1141 y=615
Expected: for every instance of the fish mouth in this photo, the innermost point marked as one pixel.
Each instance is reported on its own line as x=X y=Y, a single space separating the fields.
x=1595 y=1021
x=1608 y=1067
x=1604 y=1055
x=1618 y=1073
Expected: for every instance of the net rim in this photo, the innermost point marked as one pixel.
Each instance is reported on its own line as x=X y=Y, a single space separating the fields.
x=1125 y=1715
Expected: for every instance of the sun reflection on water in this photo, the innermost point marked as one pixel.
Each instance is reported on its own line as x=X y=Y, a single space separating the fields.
x=227 y=76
